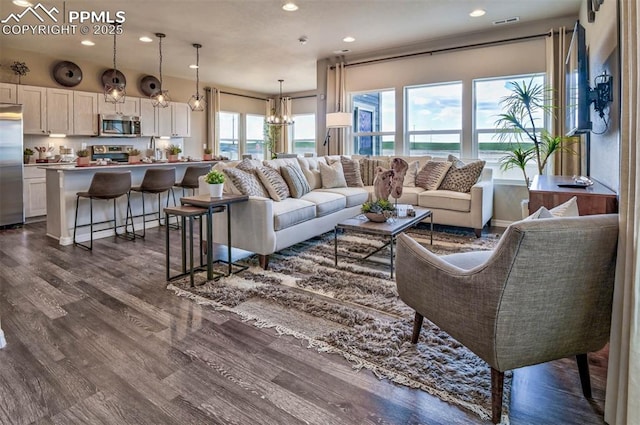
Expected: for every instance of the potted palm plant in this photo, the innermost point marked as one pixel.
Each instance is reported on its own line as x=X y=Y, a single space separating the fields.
x=83 y=159
x=215 y=179
x=521 y=127
x=134 y=156
x=172 y=152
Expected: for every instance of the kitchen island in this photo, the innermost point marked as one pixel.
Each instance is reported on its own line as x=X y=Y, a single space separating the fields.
x=64 y=181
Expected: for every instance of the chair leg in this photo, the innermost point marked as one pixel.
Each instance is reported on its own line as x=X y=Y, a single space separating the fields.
x=497 y=385
x=583 y=369
x=417 y=326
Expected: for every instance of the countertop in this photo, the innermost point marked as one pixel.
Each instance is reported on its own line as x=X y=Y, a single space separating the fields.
x=93 y=167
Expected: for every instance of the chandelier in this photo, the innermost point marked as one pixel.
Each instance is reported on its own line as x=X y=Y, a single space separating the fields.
x=197 y=101
x=280 y=110
x=160 y=99
x=114 y=91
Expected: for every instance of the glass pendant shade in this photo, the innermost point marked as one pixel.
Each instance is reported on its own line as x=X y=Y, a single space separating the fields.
x=197 y=101
x=280 y=110
x=160 y=99
x=114 y=89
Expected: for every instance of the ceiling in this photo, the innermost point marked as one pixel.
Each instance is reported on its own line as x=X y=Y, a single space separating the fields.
x=250 y=44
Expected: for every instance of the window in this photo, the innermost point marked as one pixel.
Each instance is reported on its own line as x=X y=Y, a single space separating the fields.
x=303 y=134
x=434 y=119
x=374 y=129
x=487 y=95
x=255 y=136
x=229 y=137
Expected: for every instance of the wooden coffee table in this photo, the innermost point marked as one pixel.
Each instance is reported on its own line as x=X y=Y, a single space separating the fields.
x=391 y=228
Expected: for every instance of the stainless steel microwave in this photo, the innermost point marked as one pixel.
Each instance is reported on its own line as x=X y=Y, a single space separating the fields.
x=119 y=126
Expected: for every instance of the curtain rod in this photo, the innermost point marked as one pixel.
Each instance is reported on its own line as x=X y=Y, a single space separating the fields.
x=450 y=49
x=305 y=97
x=237 y=94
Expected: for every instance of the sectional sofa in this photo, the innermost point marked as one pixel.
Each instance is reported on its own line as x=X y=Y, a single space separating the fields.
x=264 y=226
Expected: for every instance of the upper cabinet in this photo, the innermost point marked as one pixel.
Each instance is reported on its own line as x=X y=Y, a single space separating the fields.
x=85 y=113
x=8 y=93
x=59 y=111
x=148 y=118
x=130 y=106
x=172 y=121
x=181 y=119
x=34 y=109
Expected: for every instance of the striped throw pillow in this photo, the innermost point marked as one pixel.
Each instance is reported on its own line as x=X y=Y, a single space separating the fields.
x=351 y=169
x=297 y=182
x=273 y=182
x=368 y=168
x=432 y=174
x=246 y=182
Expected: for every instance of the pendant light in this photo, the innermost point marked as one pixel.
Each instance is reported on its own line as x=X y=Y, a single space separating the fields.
x=114 y=91
x=280 y=110
x=160 y=99
x=197 y=101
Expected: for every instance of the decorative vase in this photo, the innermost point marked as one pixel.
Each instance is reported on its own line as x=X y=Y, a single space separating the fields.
x=208 y=157
x=215 y=190
x=134 y=159
x=83 y=161
x=376 y=217
x=173 y=158
x=26 y=159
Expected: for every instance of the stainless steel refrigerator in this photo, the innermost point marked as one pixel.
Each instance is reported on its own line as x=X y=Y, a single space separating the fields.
x=11 y=155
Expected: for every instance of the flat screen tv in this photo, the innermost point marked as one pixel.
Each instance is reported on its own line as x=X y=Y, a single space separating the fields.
x=577 y=106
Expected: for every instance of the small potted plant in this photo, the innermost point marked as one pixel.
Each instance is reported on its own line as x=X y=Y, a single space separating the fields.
x=134 y=156
x=215 y=179
x=172 y=152
x=28 y=153
x=208 y=154
x=83 y=159
x=378 y=211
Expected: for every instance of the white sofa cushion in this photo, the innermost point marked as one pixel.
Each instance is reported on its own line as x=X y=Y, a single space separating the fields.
x=445 y=200
x=292 y=211
x=409 y=195
x=354 y=195
x=326 y=202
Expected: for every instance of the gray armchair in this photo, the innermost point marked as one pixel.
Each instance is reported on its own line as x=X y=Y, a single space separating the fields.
x=543 y=293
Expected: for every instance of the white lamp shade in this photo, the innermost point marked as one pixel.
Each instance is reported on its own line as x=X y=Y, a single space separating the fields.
x=339 y=120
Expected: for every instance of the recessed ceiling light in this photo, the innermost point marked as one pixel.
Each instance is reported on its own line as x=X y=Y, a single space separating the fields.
x=145 y=39
x=22 y=3
x=193 y=66
x=349 y=39
x=477 y=13
x=290 y=6
x=87 y=43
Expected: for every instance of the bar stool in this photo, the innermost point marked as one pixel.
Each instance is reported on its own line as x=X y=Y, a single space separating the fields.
x=185 y=212
x=156 y=181
x=106 y=185
x=190 y=179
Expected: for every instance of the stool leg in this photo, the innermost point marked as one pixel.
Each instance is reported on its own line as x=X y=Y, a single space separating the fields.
x=129 y=215
x=75 y=222
x=200 y=242
x=115 y=221
x=166 y=242
x=183 y=236
x=160 y=209
x=190 y=248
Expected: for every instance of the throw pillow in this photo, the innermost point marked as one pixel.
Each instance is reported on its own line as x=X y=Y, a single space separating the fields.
x=431 y=175
x=332 y=175
x=541 y=213
x=455 y=161
x=351 y=168
x=229 y=187
x=248 y=164
x=298 y=185
x=368 y=168
x=461 y=178
x=311 y=171
x=273 y=182
x=412 y=172
x=568 y=209
x=246 y=182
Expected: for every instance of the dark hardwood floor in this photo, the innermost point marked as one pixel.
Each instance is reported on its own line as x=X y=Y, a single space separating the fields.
x=94 y=338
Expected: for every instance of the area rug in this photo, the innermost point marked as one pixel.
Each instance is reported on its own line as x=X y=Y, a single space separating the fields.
x=354 y=310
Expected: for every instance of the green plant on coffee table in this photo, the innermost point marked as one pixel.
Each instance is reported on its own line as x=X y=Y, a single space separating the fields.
x=377 y=207
x=173 y=149
x=28 y=152
x=82 y=153
x=214 y=177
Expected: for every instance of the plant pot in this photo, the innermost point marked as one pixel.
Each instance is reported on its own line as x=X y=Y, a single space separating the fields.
x=134 y=159
x=376 y=217
x=83 y=161
x=215 y=190
x=208 y=157
x=173 y=158
x=26 y=159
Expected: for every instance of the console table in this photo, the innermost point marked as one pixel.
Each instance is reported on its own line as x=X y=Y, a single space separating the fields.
x=595 y=199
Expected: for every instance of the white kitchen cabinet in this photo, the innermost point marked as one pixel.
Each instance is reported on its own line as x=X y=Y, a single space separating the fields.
x=59 y=111
x=85 y=113
x=148 y=118
x=8 y=93
x=34 y=109
x=174 y=120
x=34 y=192
x=130 y=106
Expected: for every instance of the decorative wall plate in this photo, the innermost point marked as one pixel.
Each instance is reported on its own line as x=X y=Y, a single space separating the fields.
x=108 y=78
x=67 y=74
x=149 y=85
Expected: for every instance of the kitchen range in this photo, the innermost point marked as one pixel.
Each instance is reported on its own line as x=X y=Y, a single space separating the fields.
x=112 y=153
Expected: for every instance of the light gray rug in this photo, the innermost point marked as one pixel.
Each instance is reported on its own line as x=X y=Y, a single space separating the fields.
x=355 y=311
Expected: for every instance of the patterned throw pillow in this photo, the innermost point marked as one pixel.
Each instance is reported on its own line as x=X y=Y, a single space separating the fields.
x=248 y=164
x=332 y=175
x=273 y=182
x=246 y=182
x=297 y=182
x=351 y=168
x=432 y=174
x=368 y=169
x=461 y=178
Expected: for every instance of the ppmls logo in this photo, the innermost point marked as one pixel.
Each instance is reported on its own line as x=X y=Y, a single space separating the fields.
x=102 y=22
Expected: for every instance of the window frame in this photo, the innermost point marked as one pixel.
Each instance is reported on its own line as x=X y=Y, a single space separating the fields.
x=292 y=134
x=355 y=135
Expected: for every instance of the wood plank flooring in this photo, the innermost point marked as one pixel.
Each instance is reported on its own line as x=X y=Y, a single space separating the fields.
x=94 y=338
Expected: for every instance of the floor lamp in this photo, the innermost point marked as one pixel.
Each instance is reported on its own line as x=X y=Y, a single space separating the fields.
x=336 y=120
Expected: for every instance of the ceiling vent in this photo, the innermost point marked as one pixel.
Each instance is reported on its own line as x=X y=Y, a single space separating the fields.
x=507 y=20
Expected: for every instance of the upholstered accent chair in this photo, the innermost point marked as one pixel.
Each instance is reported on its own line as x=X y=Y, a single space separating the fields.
x=544 y=293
